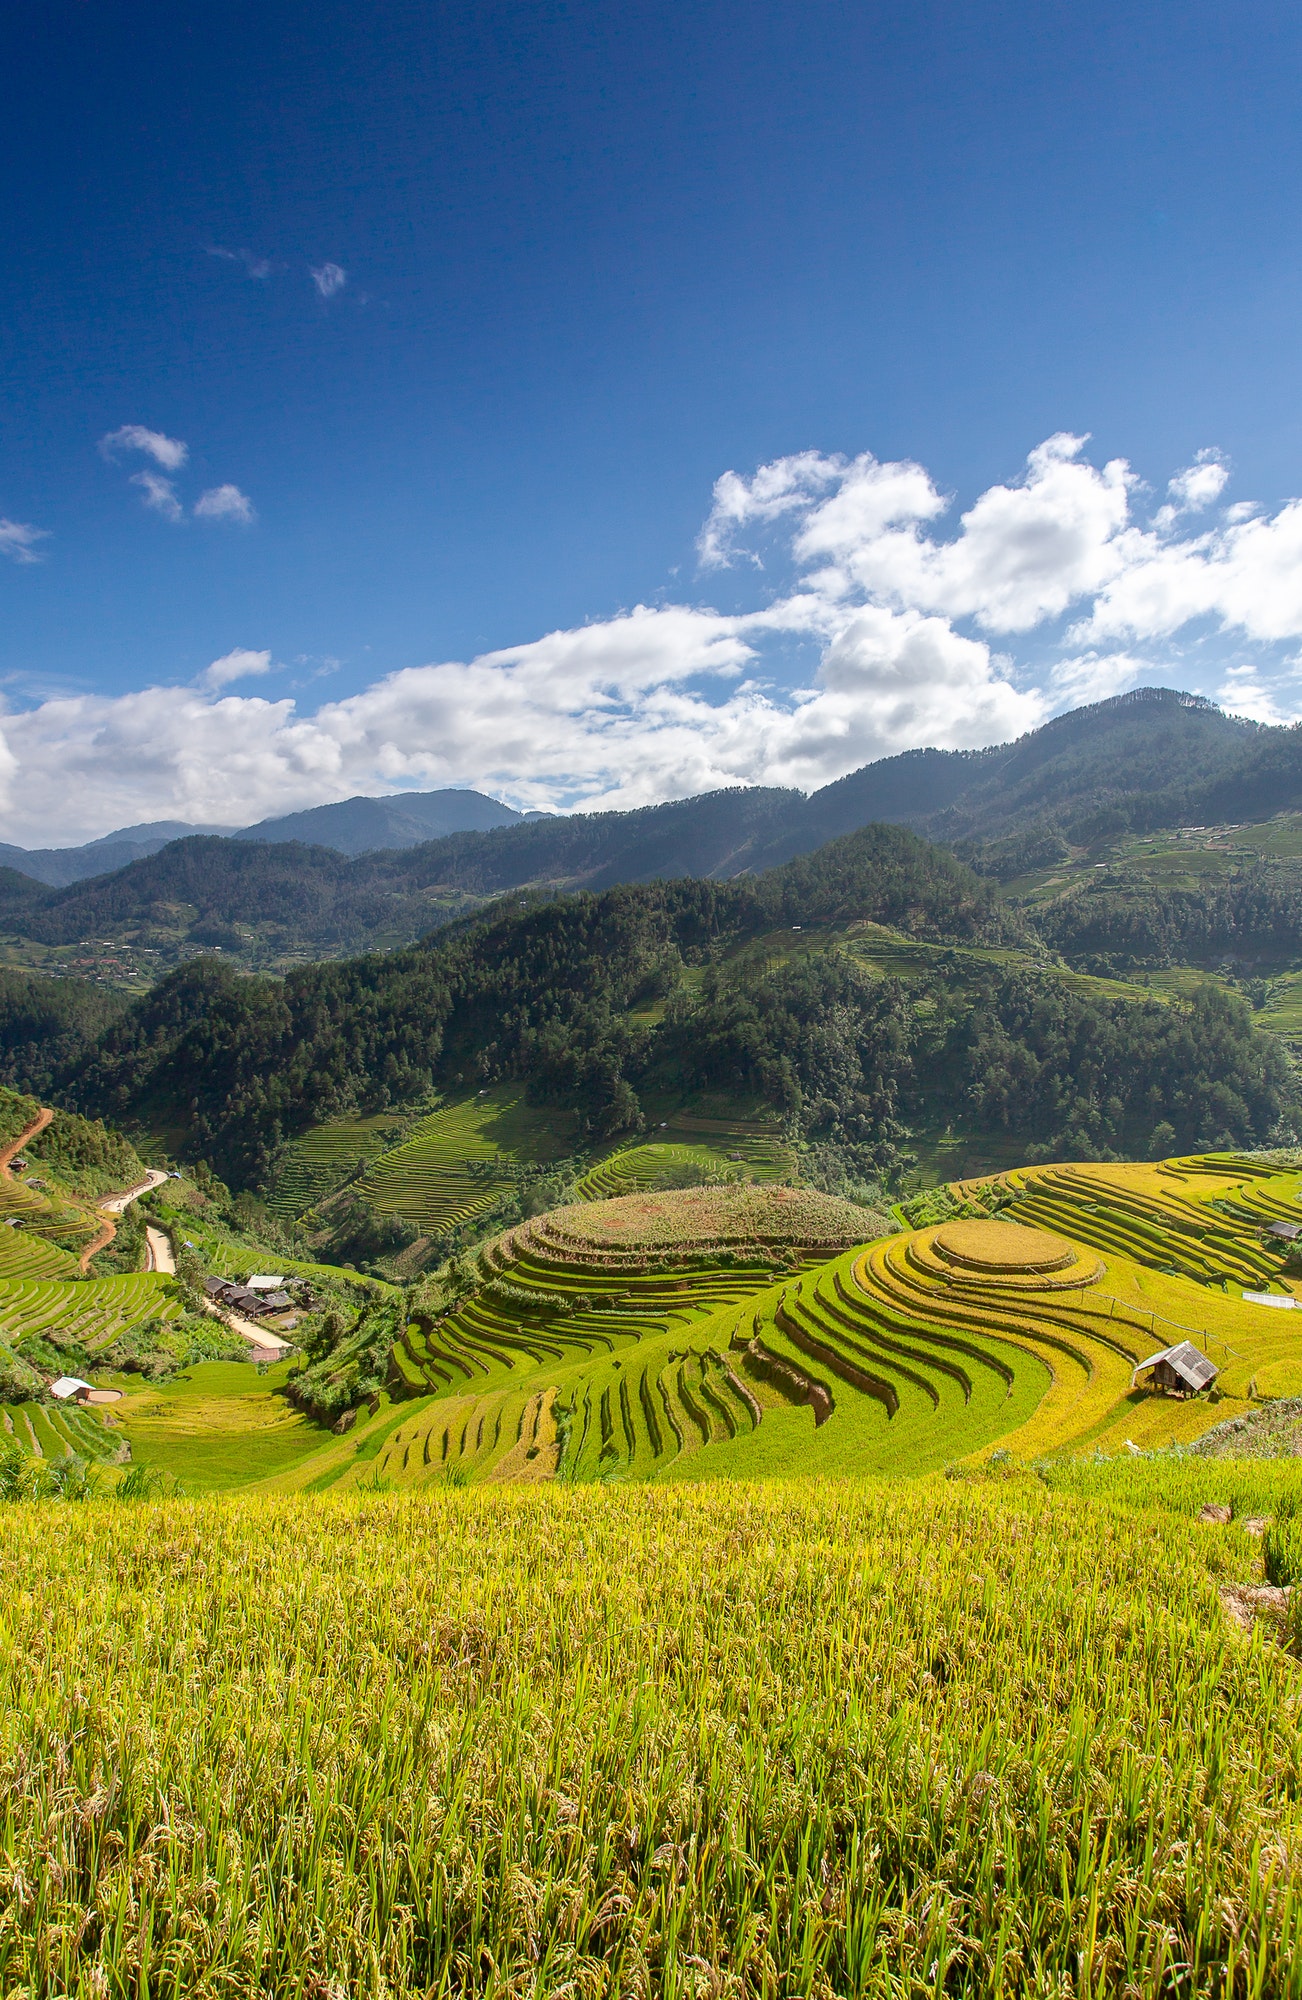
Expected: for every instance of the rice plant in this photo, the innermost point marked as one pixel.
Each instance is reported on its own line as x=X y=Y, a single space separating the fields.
x=838 y=1738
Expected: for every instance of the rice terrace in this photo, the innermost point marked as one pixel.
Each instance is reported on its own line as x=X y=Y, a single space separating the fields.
x=712 y=1587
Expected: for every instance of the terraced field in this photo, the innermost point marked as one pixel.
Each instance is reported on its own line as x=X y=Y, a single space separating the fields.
x=58 y=1227
x=638 y=1167
x=57 y=1429
x=90 y=1312
x=730 y=1331
x=315 y=1165
x=457 y=1161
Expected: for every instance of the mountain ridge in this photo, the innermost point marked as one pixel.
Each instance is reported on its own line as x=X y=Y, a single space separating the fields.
x=1153 y=757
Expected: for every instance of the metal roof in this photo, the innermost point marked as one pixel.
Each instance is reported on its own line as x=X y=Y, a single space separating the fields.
x=1193 y=1368
x=68 y=1385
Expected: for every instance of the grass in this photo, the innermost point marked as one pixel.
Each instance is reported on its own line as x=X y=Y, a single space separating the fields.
x=837 y=1738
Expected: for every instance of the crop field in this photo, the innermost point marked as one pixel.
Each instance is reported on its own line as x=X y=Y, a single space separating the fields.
x=89 y=1311
x=638 y=1167
x=23 y=1255
x=59 y=1226
x=57 y=1430
x=670 y=1336
x=222 y=1424
x=315 y=1165
x=833 y=1738
x=456 y=1161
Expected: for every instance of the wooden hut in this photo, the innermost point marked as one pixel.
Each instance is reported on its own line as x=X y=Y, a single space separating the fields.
x=1180 y=1370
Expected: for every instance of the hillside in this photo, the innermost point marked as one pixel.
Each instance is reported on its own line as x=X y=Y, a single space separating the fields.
x=870 y=991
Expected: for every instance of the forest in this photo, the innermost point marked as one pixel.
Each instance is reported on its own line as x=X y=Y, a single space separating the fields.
x=600 y=1001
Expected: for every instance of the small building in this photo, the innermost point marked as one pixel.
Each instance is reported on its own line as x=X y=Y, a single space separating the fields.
x=276 y=1302
x=260 y=1282
x=1289 y=1231
x=70 y=1389
x=1180 y=1370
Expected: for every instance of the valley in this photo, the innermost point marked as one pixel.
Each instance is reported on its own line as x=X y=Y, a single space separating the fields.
x=700 y=1425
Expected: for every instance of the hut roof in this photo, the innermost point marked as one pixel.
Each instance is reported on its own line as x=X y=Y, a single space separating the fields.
x=1289 y=1230
x=67 y=1385
x=1184 y=1360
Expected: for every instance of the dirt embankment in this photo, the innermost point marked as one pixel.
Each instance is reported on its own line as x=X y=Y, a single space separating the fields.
x=11 y=1149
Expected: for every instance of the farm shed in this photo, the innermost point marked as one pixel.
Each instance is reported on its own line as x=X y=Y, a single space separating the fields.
x=1290 y=1231
x=1181 y=1369
x=70 y=1389
x=260 y=1282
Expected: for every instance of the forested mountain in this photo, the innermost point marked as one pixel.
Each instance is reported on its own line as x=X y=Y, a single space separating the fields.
x=599 y=999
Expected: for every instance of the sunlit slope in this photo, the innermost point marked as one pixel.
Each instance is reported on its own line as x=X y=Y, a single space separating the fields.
x=748 y=1331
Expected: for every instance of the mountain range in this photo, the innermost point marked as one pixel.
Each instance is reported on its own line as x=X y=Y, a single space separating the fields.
x=1152 y=758
x=352 y=826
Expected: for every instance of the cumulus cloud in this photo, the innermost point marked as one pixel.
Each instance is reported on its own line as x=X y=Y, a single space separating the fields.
x=329 y=279
x=882 y=612
x=1245 y=691
x=237 y=665
x=160 y=494
x=225 y=503
x=170 y=453
x=18 y=540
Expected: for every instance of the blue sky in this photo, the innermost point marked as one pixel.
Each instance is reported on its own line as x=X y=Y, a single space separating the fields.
x=574 y=264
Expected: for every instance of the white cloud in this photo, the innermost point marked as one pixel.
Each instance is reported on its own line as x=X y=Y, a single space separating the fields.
x=1245 y=692
x=1200 y=483
x=1091 y=677
x=170 y=453
x=329 y=279
x=253 y=266
x=18 y=541
x=225 y=503
x=237 y=665
x=160 y=494
x=775 y=489
x=876 y=637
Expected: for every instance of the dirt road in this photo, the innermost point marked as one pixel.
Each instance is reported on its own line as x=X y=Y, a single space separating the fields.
x=158 y=1252
x=114 y=1204
x=15 y=1146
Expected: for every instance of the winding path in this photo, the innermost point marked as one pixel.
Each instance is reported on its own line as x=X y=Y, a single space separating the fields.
x=114 y=1204
x=12 y=1147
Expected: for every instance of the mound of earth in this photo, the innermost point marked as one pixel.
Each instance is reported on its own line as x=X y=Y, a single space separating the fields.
x=1003 y=1246
x=691 y=1222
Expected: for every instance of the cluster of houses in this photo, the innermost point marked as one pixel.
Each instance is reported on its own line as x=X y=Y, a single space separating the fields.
x=261 y=1298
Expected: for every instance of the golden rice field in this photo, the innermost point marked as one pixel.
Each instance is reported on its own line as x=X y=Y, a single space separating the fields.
x=753 y=1331
x=820 y=1738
